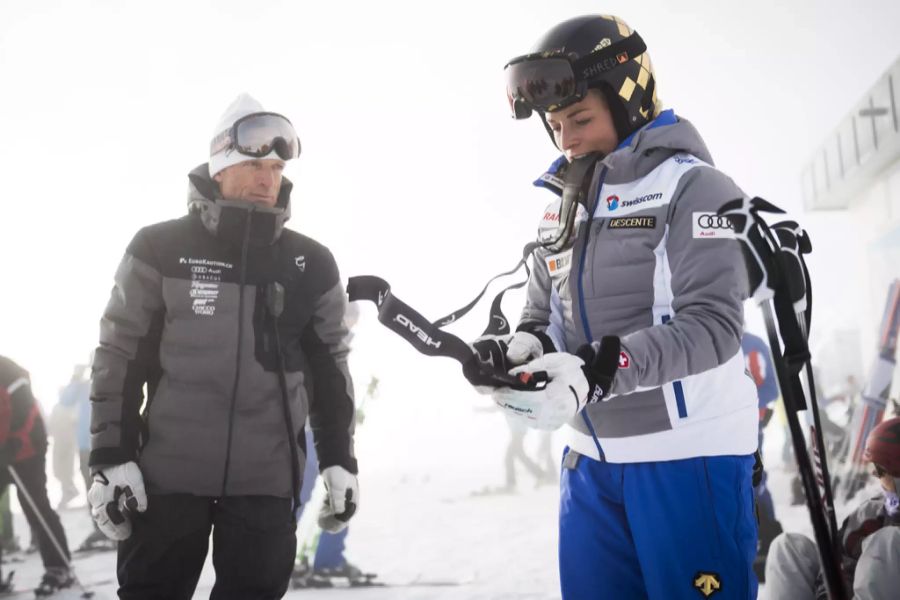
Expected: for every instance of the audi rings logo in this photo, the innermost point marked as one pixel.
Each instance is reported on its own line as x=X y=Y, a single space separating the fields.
x=709 y=225
x=713 y=221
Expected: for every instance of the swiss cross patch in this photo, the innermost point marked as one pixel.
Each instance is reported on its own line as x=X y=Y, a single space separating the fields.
x=624 y=361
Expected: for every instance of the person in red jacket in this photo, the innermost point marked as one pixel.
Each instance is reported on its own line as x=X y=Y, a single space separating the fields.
x=23 y=451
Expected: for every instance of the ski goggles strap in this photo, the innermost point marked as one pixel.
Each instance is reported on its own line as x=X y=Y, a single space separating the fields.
x=551 y=81
x=257 y=135
x=497 y=322
x=406 y=322
x=429 y=339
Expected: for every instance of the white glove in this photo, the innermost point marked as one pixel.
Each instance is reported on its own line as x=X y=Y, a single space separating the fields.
x=523 y=347
x=556 y=403
x=341 y=499
x=117 y=490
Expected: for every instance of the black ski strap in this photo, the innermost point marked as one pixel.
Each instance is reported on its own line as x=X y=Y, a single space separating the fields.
x=429 y=339
x=794 y=242
x=771 y=274
x=497 y=322
x=406 y=322
x=576 y=182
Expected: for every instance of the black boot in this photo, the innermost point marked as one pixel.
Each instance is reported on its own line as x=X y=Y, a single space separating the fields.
x=55 y=579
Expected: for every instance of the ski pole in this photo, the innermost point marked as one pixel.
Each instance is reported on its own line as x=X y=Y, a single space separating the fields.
x=794 y=242
x=821 y=529
x=765 y=270
x=46 y=526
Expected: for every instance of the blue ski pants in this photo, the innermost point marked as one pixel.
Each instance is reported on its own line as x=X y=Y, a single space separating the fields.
x=661 y=530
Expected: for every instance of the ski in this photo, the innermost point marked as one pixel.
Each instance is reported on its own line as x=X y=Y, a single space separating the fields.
x=870 y=409
x=369 y=581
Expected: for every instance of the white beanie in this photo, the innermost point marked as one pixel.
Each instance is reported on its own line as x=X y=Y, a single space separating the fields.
x=243 y=105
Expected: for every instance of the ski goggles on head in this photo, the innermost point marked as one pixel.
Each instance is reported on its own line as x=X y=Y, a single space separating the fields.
x=257 y=135
x=548 y=81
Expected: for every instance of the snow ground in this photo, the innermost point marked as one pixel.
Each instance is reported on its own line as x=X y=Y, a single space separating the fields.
x=419 y=526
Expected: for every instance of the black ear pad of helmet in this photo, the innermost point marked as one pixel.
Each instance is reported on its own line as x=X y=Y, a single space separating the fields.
x=617 y=108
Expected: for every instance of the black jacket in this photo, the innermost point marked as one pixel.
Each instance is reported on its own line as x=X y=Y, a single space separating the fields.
x=192 y=317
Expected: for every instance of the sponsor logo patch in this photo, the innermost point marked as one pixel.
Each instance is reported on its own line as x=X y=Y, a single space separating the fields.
x=707 y=583
x=709 y=225
x=558 y=264
x=613 y=202
x=624 y=361
x=206 y=275
x=553 y=180
x=632 y=223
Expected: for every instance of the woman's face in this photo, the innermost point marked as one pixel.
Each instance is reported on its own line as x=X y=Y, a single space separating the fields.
x=584 y=127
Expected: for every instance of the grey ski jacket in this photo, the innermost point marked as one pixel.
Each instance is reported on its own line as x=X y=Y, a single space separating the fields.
x=655 y=266
x=192 y=316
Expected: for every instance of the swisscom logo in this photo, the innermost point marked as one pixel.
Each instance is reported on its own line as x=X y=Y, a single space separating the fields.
x=613 y=202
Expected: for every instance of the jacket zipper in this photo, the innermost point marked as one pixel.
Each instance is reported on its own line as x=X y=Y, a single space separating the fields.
x=580 y=276
x=240 y=338
x=580 y=282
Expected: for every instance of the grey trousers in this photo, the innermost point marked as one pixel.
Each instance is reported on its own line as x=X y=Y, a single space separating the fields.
x=793 y=564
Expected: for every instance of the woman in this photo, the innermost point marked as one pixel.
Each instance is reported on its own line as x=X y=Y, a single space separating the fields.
x=634 y=312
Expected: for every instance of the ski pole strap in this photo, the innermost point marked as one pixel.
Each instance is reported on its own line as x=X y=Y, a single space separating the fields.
x=429 y=339
x=750 y=230
x=497 y=322
x=794 y=242
x=770 y=271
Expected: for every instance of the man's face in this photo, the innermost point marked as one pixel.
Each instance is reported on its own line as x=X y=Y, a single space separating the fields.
x=256 y=181
x=584 y=127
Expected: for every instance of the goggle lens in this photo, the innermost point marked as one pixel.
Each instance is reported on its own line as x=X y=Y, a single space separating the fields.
x=542 y=83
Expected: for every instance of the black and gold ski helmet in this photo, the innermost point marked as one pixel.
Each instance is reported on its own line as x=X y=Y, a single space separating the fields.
x=595 y=51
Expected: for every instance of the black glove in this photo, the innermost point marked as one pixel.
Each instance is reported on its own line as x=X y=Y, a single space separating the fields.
x=601 y=361
x=491 y=350
x=490 y=363
x=757 y=469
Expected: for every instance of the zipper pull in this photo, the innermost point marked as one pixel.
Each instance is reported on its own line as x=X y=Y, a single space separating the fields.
x=275 y=299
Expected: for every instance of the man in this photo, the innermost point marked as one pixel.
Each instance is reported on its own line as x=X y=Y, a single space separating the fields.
x=23 y=452
x=869 y=537
x=218 y=313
